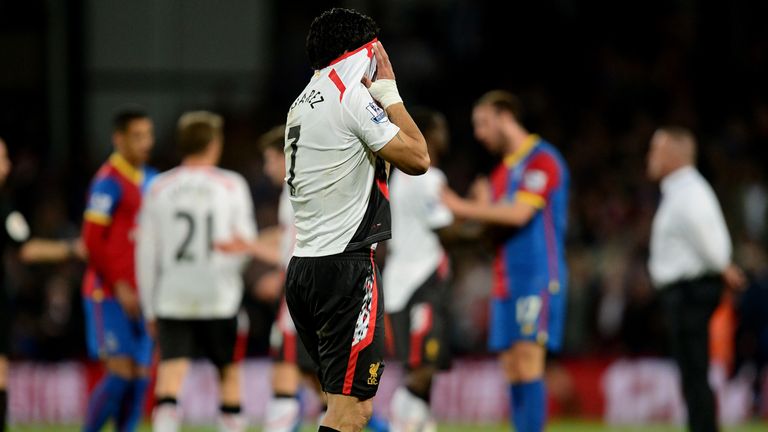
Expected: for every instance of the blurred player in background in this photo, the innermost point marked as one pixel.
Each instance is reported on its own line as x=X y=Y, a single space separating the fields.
x=337 y=140
x=690 y=264
x=416 y=280
x=15 y=233
x=527 y=203
x=190 y=292
x=274 y=247
x=115 y=329
x=291 y=359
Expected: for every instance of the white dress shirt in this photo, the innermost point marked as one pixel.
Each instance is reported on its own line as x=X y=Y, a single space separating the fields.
x=689 y=237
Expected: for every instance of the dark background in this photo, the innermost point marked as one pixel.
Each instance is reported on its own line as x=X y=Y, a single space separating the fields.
x=596 y=77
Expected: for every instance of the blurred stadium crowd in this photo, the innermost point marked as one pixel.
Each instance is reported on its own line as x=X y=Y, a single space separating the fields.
x=598 y=78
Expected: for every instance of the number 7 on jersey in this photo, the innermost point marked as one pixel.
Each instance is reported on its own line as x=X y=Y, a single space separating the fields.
x=293 y=135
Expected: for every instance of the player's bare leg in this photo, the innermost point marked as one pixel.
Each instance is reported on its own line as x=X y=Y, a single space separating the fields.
x=529 y=359
x=523 y=367
x=170 y=378
x=230 y=416
x=282 y=412
x=346 y=413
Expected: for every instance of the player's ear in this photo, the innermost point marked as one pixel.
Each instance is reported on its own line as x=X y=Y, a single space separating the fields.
x=118 y=138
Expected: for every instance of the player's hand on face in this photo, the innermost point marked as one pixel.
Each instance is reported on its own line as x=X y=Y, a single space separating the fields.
x=129 y=301
x=480 y=191
x=383 y=65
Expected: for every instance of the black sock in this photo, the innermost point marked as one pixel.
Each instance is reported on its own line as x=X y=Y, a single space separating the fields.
x=327 y=429
x=3 y=408
x=230 y=409
x=165 y=401
x=284 y=396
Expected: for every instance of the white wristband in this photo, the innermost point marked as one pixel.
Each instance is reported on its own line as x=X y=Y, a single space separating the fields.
x=385 y=92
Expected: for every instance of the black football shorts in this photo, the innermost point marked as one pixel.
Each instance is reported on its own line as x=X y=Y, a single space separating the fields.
x=214 y=339
x=337 y=306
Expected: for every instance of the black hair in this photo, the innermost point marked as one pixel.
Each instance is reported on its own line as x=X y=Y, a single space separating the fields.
x=125 y=116
x=336 y=31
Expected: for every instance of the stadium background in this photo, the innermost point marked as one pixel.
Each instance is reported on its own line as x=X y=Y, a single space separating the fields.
x=596 y=77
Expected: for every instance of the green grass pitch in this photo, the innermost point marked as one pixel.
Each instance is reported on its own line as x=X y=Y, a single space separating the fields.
x=560 y=426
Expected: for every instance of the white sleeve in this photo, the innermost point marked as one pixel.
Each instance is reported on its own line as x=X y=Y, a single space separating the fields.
x=367 y=120
x=706 y=230
x=436 y=213
x=148 y=255
x=245 y=220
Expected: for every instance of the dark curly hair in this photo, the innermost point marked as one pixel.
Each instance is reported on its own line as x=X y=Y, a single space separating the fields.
x=335 y=31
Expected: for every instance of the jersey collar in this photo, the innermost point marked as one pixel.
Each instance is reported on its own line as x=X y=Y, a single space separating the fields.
x=135 y=175
x=529 y=144
x=368 y=46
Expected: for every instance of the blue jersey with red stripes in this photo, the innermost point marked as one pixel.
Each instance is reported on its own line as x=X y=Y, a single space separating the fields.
x=114 y=199
x=110 y=219
x=530 y=273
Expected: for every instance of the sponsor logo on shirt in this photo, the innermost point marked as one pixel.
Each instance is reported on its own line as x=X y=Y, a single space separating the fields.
x=535 y=180
x=100 y=202
x=379 y=116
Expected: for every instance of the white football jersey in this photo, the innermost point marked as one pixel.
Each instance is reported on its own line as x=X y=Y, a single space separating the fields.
x=288 y=234
x=415 y=252
x=185 y=213
x=336 y=182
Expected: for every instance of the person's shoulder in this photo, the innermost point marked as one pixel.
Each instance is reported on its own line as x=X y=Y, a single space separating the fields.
x=230 y=178
x=315 y=95
x=433 y=178
x=150 y=172
x=106 y=180
x=435 y=174
x=106 y=171
x=159 y=180
x=545 y=158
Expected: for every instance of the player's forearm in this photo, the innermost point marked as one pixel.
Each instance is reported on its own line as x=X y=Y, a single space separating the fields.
x=41 y=250
x=495 y=214
x=415 y=159
x=265 y=253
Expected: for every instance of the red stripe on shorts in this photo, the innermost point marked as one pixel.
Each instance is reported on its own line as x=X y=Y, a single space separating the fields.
x=352 y=363
x=417 y=338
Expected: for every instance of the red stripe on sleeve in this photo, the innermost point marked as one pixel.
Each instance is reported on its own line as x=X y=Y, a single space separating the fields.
x=336 y=80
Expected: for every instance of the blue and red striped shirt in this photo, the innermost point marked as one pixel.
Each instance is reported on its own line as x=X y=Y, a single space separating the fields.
x=114 y=200
x=536 y=174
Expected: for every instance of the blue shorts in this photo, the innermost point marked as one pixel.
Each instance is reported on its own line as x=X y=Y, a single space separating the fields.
x=534 y=310
x=111 y=333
